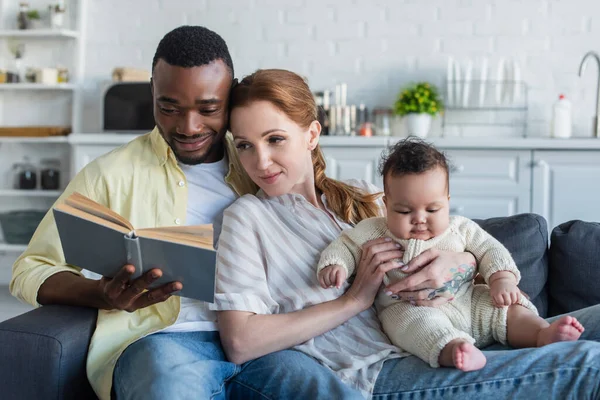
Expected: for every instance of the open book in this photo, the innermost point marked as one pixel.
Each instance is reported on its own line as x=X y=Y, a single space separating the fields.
x=98 y=239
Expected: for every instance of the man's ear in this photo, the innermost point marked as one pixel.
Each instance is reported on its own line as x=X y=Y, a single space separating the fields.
x=314 y=131
x=384 y=200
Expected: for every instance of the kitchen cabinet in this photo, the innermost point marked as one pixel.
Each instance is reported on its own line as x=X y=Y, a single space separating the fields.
x=565 y=185
x=488 y=177
x=486 y=183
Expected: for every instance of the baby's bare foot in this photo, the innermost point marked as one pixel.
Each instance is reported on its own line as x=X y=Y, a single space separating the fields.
x=467 y=357
x=564 y=329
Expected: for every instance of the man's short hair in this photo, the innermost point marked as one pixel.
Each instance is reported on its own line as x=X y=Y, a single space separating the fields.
x=412 y=156
x=192 y=46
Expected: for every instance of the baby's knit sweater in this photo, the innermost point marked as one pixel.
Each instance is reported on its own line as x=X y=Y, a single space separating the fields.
x=461 y=235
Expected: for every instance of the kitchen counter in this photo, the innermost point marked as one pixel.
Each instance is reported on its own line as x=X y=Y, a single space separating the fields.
x=378 y=141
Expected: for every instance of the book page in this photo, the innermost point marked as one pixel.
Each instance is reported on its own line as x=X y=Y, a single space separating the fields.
x=66 y=208
x=89 y=206
x=202 y=238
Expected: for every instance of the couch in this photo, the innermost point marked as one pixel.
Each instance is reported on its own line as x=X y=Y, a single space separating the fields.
x=44 y=351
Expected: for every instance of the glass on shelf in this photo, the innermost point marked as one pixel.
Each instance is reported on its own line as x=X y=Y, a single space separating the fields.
x=50 y=174
x=25 y=175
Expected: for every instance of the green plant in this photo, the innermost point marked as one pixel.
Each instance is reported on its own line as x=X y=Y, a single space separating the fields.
x=33 y=14
x=419 y=98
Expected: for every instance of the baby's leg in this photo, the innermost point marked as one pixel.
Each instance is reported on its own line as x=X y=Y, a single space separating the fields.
x=429 y=334
x=463 y=355
x=526 y=329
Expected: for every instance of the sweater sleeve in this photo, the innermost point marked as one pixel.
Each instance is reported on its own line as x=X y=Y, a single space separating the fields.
x=491 y=255
x=346 y=250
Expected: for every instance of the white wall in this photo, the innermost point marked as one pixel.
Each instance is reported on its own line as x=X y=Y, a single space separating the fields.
x=374 y=46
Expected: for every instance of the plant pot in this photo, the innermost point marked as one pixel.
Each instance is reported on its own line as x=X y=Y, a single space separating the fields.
x=36 y=24
x=418 y=124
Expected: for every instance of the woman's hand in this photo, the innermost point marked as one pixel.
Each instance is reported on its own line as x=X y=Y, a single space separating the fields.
x=378 y=257
x=438 y=276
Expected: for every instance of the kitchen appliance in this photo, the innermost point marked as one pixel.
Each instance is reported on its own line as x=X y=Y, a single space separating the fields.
x=127 y=108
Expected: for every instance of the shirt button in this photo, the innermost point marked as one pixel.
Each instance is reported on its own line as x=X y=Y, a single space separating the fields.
x=181 y=183
x=177 y=221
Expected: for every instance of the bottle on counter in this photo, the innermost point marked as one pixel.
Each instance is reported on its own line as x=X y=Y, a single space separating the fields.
x=561 y=118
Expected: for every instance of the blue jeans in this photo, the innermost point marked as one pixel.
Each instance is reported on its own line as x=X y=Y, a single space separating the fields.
x=192 y=365
x=568 y=370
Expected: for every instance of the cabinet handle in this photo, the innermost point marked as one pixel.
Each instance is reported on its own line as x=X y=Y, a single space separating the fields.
x=538 y=163
x=457 y=210
x=457 y=168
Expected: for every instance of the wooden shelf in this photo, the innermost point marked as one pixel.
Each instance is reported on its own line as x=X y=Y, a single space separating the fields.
x=16 y=248
x=40 y=33
x=37 y=86
x=32 y=139
x=29 y=193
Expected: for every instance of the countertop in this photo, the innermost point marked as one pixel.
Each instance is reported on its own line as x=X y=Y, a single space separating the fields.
x=379 y=141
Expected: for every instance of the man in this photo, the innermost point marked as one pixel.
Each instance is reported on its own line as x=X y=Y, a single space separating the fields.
x=151 y=344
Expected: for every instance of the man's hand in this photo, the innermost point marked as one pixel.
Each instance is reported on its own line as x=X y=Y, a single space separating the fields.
x=332 y=276
x=503 y=289
x=439 y=275
x=123 y=294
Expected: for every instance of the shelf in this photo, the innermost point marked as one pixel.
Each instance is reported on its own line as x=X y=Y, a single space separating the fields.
x=40 y=33
x=516 y=109
x=29 y=193
x=16 y=248
x=34 y=139
x=37 y=86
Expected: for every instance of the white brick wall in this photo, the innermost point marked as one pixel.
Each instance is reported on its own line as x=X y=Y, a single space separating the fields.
x=374 y=46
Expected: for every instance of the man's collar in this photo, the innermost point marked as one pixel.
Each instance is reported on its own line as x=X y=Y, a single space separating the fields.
x=160 y=146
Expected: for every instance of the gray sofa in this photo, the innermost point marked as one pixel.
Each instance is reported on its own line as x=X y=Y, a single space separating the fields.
x=44 y=351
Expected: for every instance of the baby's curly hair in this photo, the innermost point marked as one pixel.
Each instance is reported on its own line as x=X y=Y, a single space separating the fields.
x=412 y=156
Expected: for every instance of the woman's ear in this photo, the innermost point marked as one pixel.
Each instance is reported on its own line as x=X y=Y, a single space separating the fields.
x=314 y=132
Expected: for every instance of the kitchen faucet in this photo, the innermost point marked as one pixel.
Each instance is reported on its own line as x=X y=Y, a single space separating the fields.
x=581 y=70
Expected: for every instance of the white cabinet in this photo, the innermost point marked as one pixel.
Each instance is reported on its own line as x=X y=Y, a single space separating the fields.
x=82 y=154
x=489 y=183
x=354 y=163
x=565 y=185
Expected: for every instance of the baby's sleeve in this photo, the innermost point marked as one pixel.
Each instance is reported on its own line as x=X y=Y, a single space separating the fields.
x=342 y=251
x=491 y=255
x=241 y=282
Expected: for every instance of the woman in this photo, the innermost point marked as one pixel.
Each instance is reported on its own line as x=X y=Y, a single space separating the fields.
x=269 y=298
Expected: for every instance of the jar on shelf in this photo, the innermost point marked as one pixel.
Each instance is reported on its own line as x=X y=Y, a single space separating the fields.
x=382 y=117
x=50 y=174
x=63 y=75
x=22 y=19
x=25 y=175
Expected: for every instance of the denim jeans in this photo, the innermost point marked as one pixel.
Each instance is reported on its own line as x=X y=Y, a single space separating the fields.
x=192 y=365
x=186 y=365
x=567 y=370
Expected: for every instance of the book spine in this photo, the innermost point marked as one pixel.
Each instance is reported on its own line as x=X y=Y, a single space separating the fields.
x=134 y=255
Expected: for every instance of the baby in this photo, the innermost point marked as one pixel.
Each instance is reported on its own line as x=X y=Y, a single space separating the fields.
x=416 y=188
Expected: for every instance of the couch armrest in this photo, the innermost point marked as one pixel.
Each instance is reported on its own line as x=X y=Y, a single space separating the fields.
x=44 y=353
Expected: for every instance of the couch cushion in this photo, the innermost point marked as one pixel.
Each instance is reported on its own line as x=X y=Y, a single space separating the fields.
x=526 y=237
x=574 y=266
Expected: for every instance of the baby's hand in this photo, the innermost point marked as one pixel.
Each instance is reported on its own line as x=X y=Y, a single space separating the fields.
x=504 y=292
x=332 y=275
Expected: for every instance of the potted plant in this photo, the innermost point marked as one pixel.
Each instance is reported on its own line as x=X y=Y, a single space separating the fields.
x=418 y=104
x=34 y=18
